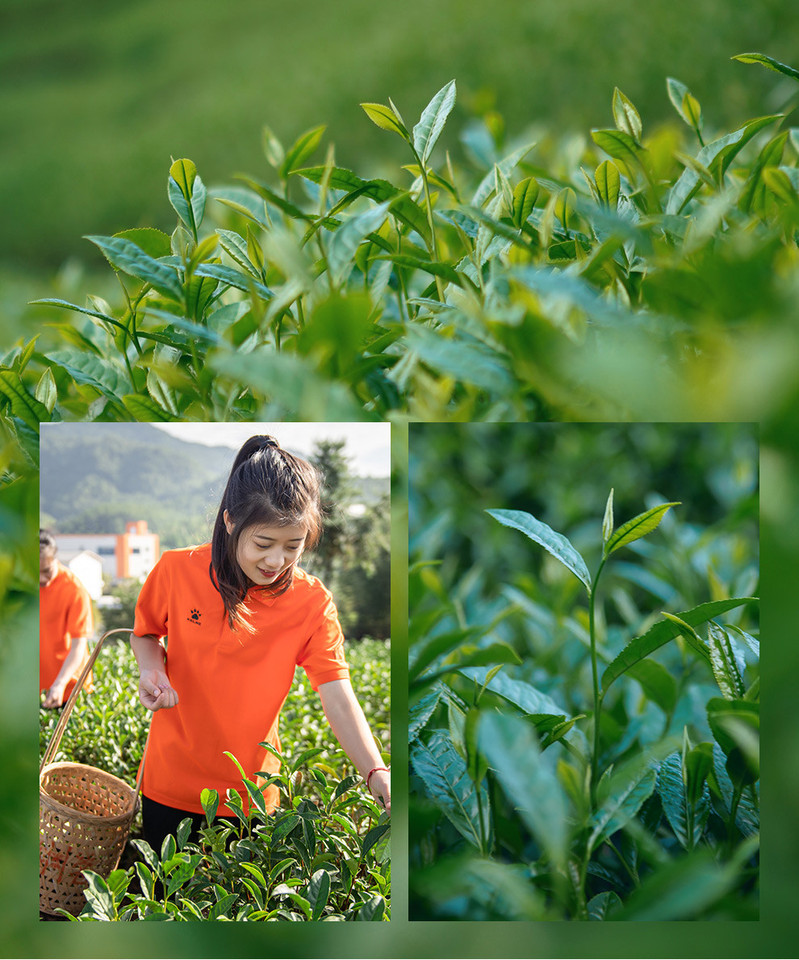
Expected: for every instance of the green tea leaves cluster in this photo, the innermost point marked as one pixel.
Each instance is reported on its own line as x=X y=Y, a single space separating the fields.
x=515 y=289
x=653 y=778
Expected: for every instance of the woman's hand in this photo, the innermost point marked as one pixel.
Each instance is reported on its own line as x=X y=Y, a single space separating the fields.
x=380 y=788
x=54 y=697
x=348 y=723
x=156 y=692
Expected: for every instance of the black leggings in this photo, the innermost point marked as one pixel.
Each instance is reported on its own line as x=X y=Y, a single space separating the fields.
x=158 y=821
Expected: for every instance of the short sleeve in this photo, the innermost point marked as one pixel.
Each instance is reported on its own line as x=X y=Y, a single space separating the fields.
x=79 y=614
x=322 y=657
x=152 y=607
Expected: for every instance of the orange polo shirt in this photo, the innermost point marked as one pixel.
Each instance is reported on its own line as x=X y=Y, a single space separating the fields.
x=231 y=684
x=65 y=614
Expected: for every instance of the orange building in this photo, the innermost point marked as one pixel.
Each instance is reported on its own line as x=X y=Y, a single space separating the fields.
x=131 y=554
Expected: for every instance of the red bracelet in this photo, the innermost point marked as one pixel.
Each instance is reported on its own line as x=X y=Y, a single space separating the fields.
x=374 y=770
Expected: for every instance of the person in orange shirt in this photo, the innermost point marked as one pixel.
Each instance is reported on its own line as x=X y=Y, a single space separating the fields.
x=65 y=624
x=239 y=615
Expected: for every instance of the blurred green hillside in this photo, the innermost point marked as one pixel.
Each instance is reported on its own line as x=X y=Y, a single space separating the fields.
x=98 y=95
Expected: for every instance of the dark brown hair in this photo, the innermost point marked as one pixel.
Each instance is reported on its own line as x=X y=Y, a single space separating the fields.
x=47 y=542
x=267 y=485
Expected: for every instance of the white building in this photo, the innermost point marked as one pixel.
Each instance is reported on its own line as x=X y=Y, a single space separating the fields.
x=132 y=554
x=87 y=567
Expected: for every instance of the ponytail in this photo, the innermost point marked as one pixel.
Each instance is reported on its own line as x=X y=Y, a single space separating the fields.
x=270 y=486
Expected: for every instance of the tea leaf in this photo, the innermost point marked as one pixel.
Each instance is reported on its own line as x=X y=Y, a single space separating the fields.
x=373 y=909
x=716 y=157
x=46 y=391
x=349 y=236
x=272 y=147
x=511 y=750
x=698 y=762
x=373 y=836
x=658 y=684
x=386 y=119
x=685 y=887
x=434 y=268
x=735 y=725
x=525 y=697
x=344 y=785
x=607 y=521
x=30 y=410
x=687 y=819
x=255 y=871
x=555 y=543
x=291 y=382
x=749 y=640
x=284 y=825
x=692 y=111
x=779 y=184
x=677 y=91
x=428 y=651
x=505 y=167
x=747 y=816
x=235 y=247
x=318 y=892
x=93 y=371
x=723 y=661
x=465 y=360
x=688 y=632
x=234 y=278
x=663 y=631
x=402 y=206
x=608 y=183
x=768 y=62
x=686 y=104
x=155 y=243
x=434 y=116
x=629 y=789
x=126 y=256
x=222 y=906
x=601 y=906
x=187 y=194
x=625 y=116
x=145 y=408
x=99 y=896
x=638 y=527
x=619 y=145
x=447 y=782
x=524 y=197
x=301 y=149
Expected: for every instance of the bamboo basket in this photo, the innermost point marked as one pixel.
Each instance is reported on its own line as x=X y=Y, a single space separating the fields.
x=84 y=816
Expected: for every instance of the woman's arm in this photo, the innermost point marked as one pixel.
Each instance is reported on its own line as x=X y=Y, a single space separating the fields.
x=155 y=690
x=346 y=719
x=69 y=668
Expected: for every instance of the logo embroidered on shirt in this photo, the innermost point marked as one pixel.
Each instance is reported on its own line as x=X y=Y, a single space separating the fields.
x=195 y=617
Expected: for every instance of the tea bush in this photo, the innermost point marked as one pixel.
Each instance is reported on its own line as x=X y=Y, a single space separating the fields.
x=613 y=280
x=324 y=855
x=314 y=860
x=583 y=747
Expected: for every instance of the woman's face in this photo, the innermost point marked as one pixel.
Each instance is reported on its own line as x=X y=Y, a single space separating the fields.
x=264 y=552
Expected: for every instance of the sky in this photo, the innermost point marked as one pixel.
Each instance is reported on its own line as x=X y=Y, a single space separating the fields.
x=368 y=445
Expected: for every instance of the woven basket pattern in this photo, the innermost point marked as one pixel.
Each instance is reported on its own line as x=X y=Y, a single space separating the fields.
x=84 y=820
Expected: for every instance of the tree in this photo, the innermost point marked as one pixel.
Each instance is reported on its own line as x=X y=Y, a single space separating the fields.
x=353 y=558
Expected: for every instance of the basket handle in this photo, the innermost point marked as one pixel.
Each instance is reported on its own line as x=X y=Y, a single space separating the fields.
x=58 y=733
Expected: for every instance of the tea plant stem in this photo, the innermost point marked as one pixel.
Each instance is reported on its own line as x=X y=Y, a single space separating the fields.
x=630 y=872
x=429 y=207
x=595 y=681
x=483 y=845
x=736 y=799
